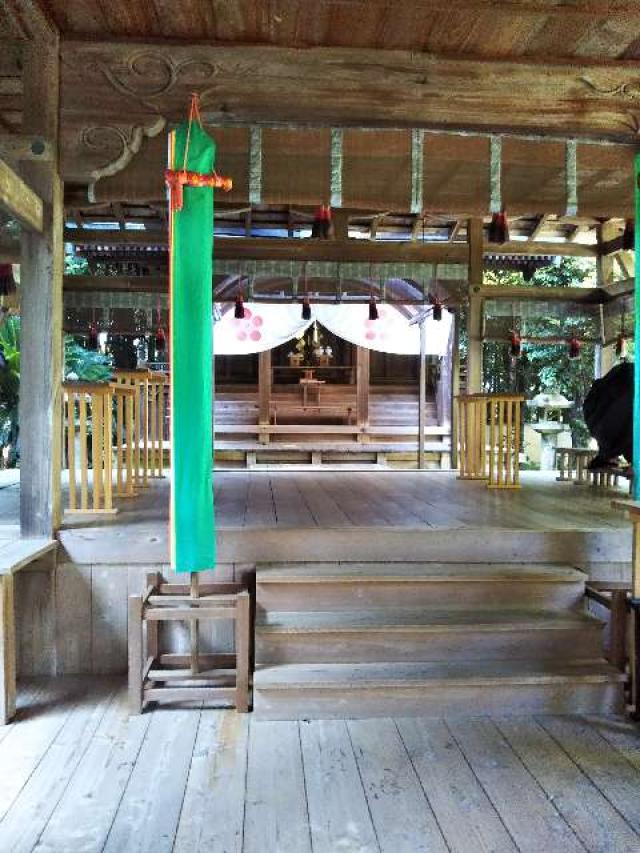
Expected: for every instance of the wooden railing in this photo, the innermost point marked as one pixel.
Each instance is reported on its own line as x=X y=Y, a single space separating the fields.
x=489 y=428
x=108 y=428
x=472 y=436
x=87 y=427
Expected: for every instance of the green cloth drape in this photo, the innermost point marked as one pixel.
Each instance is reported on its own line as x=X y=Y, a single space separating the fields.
x=191 y=266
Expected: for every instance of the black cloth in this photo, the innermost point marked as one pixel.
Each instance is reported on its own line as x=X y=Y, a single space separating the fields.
x=608 y=413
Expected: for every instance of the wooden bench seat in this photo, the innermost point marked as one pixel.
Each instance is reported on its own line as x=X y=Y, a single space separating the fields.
x=14 y=556
x=326 y=410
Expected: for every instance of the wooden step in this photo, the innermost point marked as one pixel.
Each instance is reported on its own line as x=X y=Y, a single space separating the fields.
x=353 y=586
x=326 y=691
x=425 y=635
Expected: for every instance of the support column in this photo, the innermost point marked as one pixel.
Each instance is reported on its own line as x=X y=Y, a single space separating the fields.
x=41 y=272
x=422 y=403
x=455 y=389
x=474 y=315
x=636 y=398
x=362 y=390
x=264 y=391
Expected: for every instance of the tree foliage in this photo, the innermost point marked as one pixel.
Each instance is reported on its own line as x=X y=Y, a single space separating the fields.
x=546 y=367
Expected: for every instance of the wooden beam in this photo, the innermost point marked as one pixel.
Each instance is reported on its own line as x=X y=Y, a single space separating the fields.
x=540 y=294
x=19 y=146
x=531 y=8
x=41 y=305
x=347 y=87
x=267 y=249
x=19 y=200
x=539 y=226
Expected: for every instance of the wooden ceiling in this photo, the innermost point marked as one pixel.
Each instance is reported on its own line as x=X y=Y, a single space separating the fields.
x=604 y=29
x=549 y=69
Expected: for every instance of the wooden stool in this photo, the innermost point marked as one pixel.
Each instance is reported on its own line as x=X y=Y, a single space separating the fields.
x=158 y=677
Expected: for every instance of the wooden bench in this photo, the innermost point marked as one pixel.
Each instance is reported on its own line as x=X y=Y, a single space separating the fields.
x=319 y=450
x=14 y=555
x=325 y=410
x=572 y=463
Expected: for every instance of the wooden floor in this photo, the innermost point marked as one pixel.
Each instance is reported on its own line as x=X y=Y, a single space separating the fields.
x=78 y=775
x=421 y=500
x=417 y=499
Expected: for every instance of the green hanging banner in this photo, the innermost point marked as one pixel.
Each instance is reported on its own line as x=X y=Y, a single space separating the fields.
x=192 y=522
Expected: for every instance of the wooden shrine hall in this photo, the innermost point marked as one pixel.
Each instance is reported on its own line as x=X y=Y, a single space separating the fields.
x=413 y=634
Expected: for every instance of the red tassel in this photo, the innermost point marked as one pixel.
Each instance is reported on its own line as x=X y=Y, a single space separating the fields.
x=321 y=227
x=515 y=347
x=92 y=338
x=499 y=229
x=238 y=312
x=306 y=309
x=160 y=340
x=373 y=309
x=629 y=235
x=574 y=347
x=7 y=281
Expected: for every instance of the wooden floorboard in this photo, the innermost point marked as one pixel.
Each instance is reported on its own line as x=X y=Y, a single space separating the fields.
x=79 y=776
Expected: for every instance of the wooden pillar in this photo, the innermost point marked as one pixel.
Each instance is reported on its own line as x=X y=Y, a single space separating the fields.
x=264 y=391
x=422 y=403
x=362 y=391
x=474 y=314
x=636 y=400
x=455 y=389
x=41 y=302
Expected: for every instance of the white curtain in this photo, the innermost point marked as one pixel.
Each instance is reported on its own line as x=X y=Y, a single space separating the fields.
x=391 y=332
x=266 y=326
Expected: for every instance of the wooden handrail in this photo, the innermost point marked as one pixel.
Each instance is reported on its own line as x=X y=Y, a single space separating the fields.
x=93 y=404
x=498 y=461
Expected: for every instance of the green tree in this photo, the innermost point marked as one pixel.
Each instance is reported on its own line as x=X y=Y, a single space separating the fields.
x=545 y=367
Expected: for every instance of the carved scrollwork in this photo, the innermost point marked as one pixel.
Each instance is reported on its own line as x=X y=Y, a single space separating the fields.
x=148 y=75
x=630 y=89
x=118 y=144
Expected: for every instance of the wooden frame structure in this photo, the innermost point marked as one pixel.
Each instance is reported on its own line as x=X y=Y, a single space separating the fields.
x=155 y=676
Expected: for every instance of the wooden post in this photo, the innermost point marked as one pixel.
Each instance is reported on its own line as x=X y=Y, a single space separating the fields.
x=242 y=639
x=264 y=391
x=362 y=391
x=135 y=654
x=474 y=314
x=422 y=403
x=41 y=302
x=455 y=389
x=7 y=650
x=636 y=399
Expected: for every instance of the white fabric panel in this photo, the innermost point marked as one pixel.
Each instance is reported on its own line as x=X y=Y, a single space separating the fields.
x=391 y=332
x=264 y=327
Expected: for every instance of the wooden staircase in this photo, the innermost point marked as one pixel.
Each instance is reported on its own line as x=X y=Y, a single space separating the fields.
x=369 y=639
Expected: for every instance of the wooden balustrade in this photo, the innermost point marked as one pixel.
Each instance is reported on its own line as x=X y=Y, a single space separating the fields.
x=87 y=408
x=505 y=419
x=138 y=379
x=496 y=419
x=472 y=436
x=125 y=405
x=156 y=405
